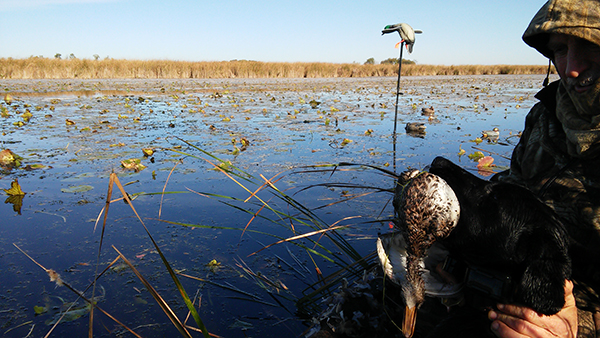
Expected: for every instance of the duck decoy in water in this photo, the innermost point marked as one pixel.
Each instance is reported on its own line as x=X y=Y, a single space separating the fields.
x=427 y=111
x=415 y=127
x=501 y=227
x=491 y=135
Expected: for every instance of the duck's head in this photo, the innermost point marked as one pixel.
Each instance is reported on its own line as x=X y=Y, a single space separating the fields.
x=413 y=290
x=400 y=268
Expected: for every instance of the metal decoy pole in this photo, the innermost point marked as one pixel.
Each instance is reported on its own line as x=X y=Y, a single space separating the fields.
x=398 y=87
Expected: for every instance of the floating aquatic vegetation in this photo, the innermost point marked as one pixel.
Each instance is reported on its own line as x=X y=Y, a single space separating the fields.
x=38 y=310
x=70 y=315
x=213 y=265
x=134 y=164
x=477 y=140
x=226 y=165
x=15 y=189
x=27 y=116
x=9 y=160
x=30 y=167
x=485 y=165
x=77 y=188
x=238 y=324
x=16 y=196
x=476 y=156
x=148 y=151
x=245 y=143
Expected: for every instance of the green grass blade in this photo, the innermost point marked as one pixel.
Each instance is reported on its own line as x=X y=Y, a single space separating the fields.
x=180 y=288
x=161 y=302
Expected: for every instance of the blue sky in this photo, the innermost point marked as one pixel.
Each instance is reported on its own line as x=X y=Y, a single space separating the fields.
x=454 y=32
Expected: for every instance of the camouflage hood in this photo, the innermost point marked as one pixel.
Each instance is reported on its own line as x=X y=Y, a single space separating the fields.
x=579 y=18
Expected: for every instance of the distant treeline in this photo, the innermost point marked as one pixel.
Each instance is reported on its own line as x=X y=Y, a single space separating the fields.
x=46 y=68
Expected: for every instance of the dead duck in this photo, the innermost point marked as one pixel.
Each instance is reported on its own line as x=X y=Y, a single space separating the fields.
x=427 y=210
x=501 y=226
x=427 y=111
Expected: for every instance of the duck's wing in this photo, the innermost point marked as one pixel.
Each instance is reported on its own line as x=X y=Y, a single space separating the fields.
x=391 y=249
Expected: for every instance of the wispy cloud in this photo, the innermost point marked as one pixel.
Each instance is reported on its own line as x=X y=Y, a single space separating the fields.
x=32 y=4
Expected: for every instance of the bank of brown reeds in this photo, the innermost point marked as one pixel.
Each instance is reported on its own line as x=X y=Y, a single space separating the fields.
x=46 y=68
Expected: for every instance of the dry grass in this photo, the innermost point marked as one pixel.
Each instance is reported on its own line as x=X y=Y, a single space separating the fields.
x=45 y=68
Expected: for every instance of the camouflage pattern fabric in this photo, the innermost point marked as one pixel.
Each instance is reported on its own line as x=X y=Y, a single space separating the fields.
x=571 y=186
x=579 y=18
x=558 y=156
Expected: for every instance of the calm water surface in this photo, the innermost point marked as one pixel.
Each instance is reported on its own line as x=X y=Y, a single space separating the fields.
x=114 y=119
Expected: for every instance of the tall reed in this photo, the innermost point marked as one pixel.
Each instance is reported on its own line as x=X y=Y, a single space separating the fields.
x=46 y=68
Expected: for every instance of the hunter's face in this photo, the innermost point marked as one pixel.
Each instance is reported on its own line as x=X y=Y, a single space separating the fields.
x=576 y=60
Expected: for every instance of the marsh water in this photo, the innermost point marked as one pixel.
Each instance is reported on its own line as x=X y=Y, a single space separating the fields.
x=79 y=131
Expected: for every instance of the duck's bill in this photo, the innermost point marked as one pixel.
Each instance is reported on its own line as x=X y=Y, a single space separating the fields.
x=410 y=321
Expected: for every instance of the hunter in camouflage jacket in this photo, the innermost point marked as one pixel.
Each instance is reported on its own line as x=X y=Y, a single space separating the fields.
x=558 y=155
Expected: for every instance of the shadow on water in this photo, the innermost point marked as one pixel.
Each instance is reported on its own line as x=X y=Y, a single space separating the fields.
x=80 y=131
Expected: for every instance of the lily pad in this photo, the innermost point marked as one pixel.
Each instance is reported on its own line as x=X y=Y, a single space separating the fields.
x=37 y=166
x=77 y=188
x=485 y=162
x=39 y=310
x=70 y=315
x=476 y=156
x=238 y=324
